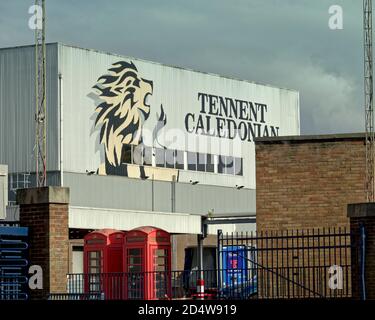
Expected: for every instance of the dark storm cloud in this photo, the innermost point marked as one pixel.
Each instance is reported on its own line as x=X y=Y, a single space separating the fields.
x=286 y=43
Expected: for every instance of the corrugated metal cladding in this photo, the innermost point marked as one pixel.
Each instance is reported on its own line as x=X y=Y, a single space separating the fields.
x=177 y=90
x=174 y=88
x=134 y=194
x=17 y=108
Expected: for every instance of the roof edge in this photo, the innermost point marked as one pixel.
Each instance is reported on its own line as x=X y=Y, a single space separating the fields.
x=29 y=45
x=311 y=138
x=58 y=43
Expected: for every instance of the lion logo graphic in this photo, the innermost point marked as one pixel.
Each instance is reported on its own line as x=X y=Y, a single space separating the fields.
x=121 y=112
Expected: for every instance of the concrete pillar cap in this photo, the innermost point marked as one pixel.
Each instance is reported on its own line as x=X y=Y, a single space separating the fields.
x=43 y=195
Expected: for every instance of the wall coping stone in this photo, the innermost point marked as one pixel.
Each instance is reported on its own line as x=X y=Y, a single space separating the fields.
x=43 y=195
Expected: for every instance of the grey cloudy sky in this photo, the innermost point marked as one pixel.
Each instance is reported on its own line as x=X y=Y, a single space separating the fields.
x=286 y=43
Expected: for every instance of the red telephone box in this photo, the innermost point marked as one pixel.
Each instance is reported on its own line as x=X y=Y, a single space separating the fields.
x=148 y=264
x=103 y=262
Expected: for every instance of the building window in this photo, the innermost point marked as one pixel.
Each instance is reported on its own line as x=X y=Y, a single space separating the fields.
x=180 y=160
x=229 y=165
x=192 y=161
x=164 y=158
x=160 y=157
x=210 y=166
x=138 y=154
x=238 y=165
x=127 y=154
x=221 y=165
x=169 y=157
x=147 y=156
x=201 y=165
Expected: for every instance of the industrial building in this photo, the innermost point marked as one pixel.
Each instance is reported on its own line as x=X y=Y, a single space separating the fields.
x=139 y=143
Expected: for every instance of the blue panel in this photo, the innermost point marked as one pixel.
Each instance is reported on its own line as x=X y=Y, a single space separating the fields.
x=13 y=263
x=239 y=279
x=14 y=231
x=235 y=265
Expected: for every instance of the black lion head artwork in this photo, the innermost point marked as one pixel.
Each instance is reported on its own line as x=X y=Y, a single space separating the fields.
x=122 y=108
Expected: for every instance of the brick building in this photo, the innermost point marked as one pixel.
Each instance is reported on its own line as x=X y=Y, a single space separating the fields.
x=304 y=186
x=308 y=181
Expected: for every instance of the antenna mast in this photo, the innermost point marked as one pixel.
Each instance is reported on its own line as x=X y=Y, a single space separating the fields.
x=40 y=101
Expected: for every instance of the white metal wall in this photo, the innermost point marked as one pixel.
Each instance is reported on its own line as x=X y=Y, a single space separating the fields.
x=94 y=218
x=177 y=90
x=136 y=194
x=17 y=108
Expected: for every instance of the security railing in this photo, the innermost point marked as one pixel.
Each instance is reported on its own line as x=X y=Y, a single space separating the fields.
x=75 y=296
x=142 y=285
x=286 y=264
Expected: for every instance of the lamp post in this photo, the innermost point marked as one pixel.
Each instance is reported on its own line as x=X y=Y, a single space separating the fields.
x=152 y=194
x=173 y=194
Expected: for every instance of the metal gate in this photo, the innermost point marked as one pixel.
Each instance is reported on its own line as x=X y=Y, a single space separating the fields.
x=288 y=264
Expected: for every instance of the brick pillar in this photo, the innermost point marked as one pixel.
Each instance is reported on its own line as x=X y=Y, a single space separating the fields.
x=363 y=214
x=45 y=211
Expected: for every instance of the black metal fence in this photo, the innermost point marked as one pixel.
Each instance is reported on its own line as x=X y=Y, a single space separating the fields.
x=142 y=285
x=285 y=264
x=75 y=296
x=288 y=264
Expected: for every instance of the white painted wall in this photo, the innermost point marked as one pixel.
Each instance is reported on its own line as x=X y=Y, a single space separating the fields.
x=77 y=261
x=177 y=90
x=98 y=218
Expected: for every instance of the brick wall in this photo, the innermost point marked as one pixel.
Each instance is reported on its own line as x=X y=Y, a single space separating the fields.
x=58 y=246
x=307 y=183
x=46 y=215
